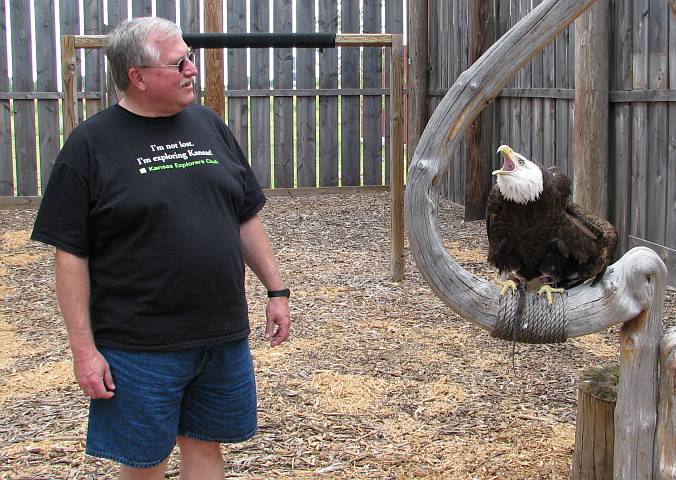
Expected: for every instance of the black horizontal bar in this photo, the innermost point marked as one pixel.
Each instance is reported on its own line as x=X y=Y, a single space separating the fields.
x=260 y=40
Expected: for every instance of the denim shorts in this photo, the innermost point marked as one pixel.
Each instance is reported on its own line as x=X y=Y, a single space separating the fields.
x=206 y=393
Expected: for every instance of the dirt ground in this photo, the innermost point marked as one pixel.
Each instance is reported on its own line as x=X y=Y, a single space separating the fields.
x=380 y=380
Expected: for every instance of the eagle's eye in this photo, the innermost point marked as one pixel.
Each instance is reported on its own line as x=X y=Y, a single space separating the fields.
x=520 y=163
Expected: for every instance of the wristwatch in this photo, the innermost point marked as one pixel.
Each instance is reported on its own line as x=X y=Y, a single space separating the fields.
x=285 y=292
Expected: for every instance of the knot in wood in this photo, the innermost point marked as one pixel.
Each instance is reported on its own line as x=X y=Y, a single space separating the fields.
x=527 y=317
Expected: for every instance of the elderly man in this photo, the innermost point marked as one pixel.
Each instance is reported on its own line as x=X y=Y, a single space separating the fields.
x=152 y=208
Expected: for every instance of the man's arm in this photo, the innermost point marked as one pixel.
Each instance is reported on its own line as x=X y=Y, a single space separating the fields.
x=258 y=255
x=72 y=290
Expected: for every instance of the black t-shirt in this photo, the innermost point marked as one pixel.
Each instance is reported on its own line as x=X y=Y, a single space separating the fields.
x=155 y=205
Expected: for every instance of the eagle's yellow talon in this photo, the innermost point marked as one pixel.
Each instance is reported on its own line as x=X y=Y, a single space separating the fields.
x=548 y=290
x=506 y=285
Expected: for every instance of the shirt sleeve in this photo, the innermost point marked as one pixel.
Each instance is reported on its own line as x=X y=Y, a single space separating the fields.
x=62 y=219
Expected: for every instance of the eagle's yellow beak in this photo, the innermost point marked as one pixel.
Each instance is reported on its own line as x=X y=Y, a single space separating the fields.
x=508 y=165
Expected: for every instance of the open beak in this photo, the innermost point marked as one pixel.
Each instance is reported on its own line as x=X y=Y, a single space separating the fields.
x=508 y=166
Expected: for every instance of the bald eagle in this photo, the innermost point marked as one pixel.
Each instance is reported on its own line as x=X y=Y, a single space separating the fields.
x=536 y=232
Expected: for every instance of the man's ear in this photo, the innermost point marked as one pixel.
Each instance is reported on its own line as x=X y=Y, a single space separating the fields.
x=136 y=79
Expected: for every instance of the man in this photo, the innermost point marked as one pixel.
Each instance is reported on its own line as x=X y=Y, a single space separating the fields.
x=152 y=209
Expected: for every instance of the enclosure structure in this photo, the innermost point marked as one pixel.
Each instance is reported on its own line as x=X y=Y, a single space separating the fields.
x=631 y=291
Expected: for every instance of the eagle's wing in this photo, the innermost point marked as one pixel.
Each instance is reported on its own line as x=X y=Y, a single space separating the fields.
x=590 y=241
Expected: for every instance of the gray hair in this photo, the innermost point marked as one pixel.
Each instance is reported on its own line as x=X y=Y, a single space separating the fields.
x=127 y=46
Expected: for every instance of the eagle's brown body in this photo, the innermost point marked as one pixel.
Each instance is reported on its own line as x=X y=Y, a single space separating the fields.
x=549 y=236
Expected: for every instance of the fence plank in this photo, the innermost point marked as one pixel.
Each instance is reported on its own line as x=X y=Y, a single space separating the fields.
x=48 y=110
x=503 y=111
x=640 y=119
x=621 y=139
x=562 y=80
x=6 y=164
x=657 y=124
x=525 y=104
x=24 y=110
x=394 y=23
x=238 y=108
x=189 y=11
x=537 y=104
x=141 y=8
x=69 y=16
x=117 y=12
x=260 y=106
x=549 y=106
x=328 y=106
x=94 y=71
x=283 y=106
x=305 y=106
x=372 y=106
x=350 y=126
x=166 y=9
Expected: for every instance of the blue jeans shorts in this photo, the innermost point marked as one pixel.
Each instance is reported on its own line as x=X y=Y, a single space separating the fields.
x=206 y=393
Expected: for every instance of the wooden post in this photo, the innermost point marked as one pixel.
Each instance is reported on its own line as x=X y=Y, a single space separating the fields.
x=480 y=131
x=636 y=410
x=68 y=66
x=397 y=158
x=417 y=81
x=595 y=428
x=590 y=132
x=215 y=94
x=665 y=440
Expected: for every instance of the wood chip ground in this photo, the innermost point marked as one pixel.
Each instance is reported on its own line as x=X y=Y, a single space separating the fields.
x=380 y=380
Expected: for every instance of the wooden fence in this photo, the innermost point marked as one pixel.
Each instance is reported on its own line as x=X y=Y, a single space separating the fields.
x=318 y=121
x=535 y=112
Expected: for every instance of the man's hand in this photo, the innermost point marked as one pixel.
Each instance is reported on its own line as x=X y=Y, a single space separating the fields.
x=278 y=320
x=93 y=375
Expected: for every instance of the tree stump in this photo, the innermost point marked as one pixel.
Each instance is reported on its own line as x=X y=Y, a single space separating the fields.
x=595 y=426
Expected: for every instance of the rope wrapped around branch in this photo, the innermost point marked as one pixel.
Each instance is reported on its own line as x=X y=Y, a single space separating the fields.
x=527 y=317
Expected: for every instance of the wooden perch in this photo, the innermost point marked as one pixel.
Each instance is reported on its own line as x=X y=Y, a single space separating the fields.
x=622 y=294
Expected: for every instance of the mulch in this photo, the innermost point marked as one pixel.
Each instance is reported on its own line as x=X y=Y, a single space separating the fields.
x=380 y=379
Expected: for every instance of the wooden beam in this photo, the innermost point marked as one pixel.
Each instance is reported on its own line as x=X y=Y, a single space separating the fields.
x=418 y=79
x=590 y=131
x=213 y=22
x=665 y=440
x=480 y=131
x=397 y=159
x=69 y=66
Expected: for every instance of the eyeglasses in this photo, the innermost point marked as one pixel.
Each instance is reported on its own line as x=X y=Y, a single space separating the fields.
x=189 y=57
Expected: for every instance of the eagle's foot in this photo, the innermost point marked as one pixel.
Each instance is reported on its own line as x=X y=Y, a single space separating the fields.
x=506 y=285
x=548 y=290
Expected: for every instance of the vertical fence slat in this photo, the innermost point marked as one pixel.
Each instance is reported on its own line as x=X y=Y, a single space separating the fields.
x=238 y=108
x=189 y=11
x=640 y=119
x=24 y=110
x=6 y=164
x=328 y=106
x=549 y=106
x=620 y=165
x=69 y=16
x=349 y=105
x=141 y=8
x=117 y=12
x=306 y=115
x=525 y=104
x=657 y=124
x=515 y=103
x=503 y=115
x=48 y=110
x=394 y=23
x=260 y=106
x=561 y=80
x=372 y=105
x=93 y=23
x=166 y=9
x=283 y=106
x=537 y=140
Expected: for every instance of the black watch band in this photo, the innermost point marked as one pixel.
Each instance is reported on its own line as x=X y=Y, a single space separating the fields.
x=279 y=293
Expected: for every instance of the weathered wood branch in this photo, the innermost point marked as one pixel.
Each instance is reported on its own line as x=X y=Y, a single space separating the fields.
x=665 y=441
x=624 y=291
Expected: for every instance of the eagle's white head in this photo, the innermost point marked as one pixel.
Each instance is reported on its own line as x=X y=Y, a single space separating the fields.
x=519 y=179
